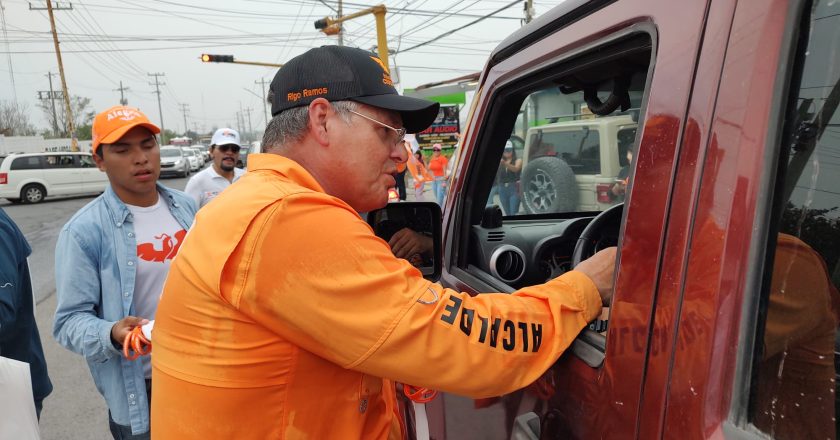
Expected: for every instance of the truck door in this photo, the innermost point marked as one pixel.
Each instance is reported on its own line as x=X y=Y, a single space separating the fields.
x=641 y=55
x=755 y=347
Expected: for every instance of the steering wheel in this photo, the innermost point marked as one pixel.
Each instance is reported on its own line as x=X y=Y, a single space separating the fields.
x=585 y=246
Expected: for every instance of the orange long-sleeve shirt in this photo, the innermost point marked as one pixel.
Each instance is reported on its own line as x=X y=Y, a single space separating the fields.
x=283 y=313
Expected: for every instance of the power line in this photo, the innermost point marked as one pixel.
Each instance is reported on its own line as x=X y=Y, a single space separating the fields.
x=96 y=24
x=116 y=67
x=461 y=28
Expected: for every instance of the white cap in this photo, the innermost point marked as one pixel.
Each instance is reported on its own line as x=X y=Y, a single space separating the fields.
x=508 y=145
x=225 y=136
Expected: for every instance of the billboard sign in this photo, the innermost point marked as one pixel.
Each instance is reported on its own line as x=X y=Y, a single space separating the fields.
x=444 y=130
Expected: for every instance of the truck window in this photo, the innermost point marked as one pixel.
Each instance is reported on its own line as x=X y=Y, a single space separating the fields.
x=555 y=144
x=572 y=160
x=793 y=389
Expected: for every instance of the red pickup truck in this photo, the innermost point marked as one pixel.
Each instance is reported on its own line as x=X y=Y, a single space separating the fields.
x=725 y=310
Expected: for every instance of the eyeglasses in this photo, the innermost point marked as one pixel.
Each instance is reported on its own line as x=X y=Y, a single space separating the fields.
x=399 y=131
x=227 y=147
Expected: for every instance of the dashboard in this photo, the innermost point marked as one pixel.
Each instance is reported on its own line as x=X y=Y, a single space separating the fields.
x=526 y=252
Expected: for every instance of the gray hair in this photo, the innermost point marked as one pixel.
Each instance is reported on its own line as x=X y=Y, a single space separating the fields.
x=291 y=125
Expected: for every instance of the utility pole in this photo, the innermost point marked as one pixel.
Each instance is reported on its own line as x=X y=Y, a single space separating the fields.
x=122 y=89
x=238 y=123
x=250 y=127
x=52 y=101
x=241 y=114
x=529 y=11
x=184 y=109
x=341 y=28
x=8 y=51
x=157 y=85
x=263 y=82
x=71 y=126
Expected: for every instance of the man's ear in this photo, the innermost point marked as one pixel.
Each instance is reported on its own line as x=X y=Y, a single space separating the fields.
x=100 y=162
x=319 y=112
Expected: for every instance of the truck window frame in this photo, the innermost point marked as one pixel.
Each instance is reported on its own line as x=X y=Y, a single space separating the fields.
x=499 y=120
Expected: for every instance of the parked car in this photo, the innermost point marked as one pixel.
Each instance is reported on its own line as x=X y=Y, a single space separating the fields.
x=204 y=150
x=571 y=166
x=31 y=177
x=248 y=149
x=724 y=317
x=200 y=156
x=192 y=158
x=174 y=162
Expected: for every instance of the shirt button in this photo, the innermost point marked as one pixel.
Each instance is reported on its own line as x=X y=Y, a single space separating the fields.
x=131 y=396
x=125 y=294
x=131 y=234
x=119 y=225
x=131 y=263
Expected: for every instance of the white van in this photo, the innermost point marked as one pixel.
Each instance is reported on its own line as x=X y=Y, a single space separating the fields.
x=31 y=177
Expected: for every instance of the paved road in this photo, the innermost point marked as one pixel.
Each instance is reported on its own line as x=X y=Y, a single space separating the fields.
x=74 y=410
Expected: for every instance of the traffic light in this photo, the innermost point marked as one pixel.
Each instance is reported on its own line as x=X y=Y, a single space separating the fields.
x=327 y=26
x=322 y=23
x=207 y=58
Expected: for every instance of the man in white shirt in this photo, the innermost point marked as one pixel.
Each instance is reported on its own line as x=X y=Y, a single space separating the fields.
x=207 y=184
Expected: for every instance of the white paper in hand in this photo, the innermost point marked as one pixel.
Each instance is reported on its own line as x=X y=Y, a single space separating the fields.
x=147 y=329
x=17 y=409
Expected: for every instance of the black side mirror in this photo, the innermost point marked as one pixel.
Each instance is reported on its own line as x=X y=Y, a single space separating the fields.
x=415 y=222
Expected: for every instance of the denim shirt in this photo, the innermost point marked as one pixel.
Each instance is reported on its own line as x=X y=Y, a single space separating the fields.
x=95 y=268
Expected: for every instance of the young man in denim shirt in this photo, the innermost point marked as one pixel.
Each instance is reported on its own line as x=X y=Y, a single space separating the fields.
x=112 y=258
x=19 y=338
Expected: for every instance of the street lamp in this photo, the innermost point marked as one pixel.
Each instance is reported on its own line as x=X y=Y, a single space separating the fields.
x=332 y=26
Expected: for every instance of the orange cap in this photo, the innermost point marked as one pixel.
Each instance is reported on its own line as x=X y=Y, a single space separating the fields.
x=112 y=124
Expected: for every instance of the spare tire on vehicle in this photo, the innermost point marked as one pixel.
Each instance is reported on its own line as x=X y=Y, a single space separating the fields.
x=548 y=185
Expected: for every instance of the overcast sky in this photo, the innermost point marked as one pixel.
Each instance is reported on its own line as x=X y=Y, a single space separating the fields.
x=104 y=42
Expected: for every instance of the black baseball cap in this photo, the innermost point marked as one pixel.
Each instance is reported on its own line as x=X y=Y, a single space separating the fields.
x=338 y=73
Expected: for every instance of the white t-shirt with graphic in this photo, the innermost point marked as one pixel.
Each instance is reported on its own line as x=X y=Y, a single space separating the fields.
x=159 y=236
x=207 y=184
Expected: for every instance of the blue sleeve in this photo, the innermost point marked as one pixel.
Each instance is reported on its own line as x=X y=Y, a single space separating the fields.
x=13 y=253
x=76 y=325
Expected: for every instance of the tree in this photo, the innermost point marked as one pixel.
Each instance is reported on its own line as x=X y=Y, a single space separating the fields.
x=14 y=119
x=84 y=132
x=166 y=136
x=82 y=113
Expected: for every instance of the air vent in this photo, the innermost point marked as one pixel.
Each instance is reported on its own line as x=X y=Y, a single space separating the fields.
x=507 y=263
x=496 y=236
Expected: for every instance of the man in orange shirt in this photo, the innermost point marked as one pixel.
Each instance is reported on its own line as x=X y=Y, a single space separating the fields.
x=295 y=322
